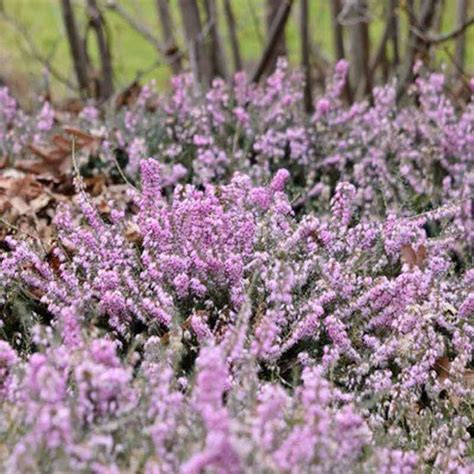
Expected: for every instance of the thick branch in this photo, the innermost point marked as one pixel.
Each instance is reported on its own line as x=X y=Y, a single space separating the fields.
x=171 y=44
x=97 y=23
x=78 y=53
x=447 y=36
x=199 y=56
x=234 y=42
x=305 y=55
x=276 y=31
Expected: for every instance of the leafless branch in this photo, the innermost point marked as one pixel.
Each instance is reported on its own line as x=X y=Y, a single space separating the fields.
x=276 y=31
x=305 y=55
x=76 y=46
x=234 y=42
x=141 y=28
x=167 y=25
x=34 y=52
x=144 y=31
x=98 y=25
x=446 y=36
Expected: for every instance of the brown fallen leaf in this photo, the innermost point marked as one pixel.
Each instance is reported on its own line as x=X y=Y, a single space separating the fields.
x=39 y=202
x=95 y=185
x=53 y=260
x=468 y=378
x=49 y=154
x=132 y=233
x=441 y=366
x=20 y=205
x=84 y=138
x=414 y=257
x=62 y=143
x=128 y=96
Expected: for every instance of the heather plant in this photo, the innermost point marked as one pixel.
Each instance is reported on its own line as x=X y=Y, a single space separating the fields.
x=408 y=157
x=411 y=157
x=83 y=410
x=257 y=305
x=268 y=292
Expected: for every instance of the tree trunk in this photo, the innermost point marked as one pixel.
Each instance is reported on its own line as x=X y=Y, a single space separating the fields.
x=234 y=42
x=338 y=36
x=170 y=44
x=279 y=48
x=380 y=57
x=97 y=23
x=418 y=47
x=394 y=31
x=264 y=65
x=198 y=52
x=460 y=51
x=359 y=47
x=305 y=55
x=76 y=46
x=216 y=50
x=337 y=29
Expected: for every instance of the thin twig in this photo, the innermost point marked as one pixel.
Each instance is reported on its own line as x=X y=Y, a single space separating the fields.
x=446 y=36
x=34 y=52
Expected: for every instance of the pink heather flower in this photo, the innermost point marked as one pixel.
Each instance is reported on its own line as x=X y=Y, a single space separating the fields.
x=342 y=67
x=45 y=118
x=341 y=203
x=323 y=106
x=8 y=105
x=279 y=180
x=8 y=360
x=211 y=383
x=89 y=113
x=261 y=197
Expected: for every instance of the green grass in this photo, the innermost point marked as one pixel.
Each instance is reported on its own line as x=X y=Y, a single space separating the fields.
x=132 y=53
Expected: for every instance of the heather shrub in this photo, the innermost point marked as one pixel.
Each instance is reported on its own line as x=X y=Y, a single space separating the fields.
x=406 y=157
x=230 y=267
x=272 y=292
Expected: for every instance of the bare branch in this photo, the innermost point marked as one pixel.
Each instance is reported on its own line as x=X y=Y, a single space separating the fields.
x=276 y=31
x=234 y=42
x=279 y=48
x=198 y=53
x=78 y=53
x=305 y=55
x=417 y=45
x=146 y=33
x=97 y=23
x=141 y=28
x=447 y=36
x=460 y=51
x=216 y=49
x=338 y=36
x=337 y=29
x=34 y=52
x=171 y=44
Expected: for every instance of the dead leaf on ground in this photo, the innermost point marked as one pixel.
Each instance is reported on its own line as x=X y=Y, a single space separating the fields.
x=132 y=233
x=95 y=185
x=128 y=96
x=414 y=257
